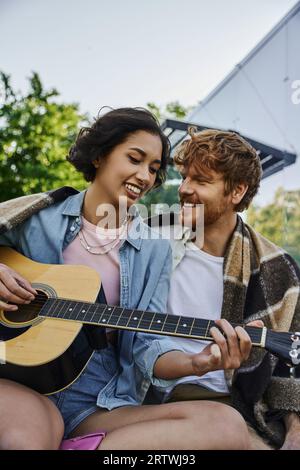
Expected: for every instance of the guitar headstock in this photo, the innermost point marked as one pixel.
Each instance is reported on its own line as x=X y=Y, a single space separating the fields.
x=285 y=345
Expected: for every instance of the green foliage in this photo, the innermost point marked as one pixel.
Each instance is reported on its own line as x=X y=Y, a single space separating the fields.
x=279 y=221
x=165 y=194
x=173 y=110
x=36 y=132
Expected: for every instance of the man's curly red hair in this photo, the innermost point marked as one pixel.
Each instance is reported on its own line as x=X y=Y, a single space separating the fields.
x=226 y=153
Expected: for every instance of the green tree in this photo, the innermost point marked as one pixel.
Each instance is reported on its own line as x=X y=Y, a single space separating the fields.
x=36 y=132
x=279 y=221
x=173 y=110
x=166 y=194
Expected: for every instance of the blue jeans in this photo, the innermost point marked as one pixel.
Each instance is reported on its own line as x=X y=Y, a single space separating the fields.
x=79 y=400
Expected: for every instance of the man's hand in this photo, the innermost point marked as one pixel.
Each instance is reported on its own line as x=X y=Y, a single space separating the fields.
x=292 y=437
x=226 y=352
x=14 y=288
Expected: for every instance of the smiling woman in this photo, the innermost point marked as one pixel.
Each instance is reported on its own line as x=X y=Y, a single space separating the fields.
x=124 y=153
x=129 y=170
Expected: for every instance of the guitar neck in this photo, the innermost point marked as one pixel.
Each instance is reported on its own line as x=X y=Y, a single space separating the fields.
x=137 y=320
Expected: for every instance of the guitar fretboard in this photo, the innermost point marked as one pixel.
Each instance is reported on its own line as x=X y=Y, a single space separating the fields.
x=135 y=320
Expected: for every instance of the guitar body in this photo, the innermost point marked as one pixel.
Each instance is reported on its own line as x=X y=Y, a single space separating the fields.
x=43 y=353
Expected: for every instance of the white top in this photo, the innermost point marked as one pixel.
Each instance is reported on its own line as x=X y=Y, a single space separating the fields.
x=197 y=291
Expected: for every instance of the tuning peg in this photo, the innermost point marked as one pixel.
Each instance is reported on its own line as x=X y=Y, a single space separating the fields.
x=295 y=356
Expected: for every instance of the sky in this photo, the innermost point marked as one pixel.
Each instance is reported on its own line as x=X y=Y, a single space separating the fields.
x=130 y=52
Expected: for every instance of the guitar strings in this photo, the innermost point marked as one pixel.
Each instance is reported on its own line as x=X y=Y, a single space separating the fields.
x=41 y=299
x=255 y=332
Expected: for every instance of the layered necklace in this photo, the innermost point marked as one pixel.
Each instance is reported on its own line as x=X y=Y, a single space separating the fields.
x=107 y=247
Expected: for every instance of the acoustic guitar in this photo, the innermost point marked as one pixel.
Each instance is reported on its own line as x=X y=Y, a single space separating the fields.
x=41 y=345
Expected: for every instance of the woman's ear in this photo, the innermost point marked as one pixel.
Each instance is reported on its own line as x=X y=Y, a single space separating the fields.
x=96 y=163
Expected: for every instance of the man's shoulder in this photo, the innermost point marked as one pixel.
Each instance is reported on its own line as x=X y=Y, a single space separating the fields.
x=270 y=252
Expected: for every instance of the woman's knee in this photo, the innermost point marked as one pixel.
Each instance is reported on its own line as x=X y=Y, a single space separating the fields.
x=28 y=419
x=230 y=426
x=225 y=425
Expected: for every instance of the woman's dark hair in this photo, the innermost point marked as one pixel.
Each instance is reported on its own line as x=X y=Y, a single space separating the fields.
x=110 y=130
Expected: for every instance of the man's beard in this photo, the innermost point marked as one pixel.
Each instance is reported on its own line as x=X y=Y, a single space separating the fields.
x=213 y=213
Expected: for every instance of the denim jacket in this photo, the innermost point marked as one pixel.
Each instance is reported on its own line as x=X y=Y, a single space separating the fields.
x=145 y=266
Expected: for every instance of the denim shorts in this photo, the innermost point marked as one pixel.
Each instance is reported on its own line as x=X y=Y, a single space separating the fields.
x=79 y=400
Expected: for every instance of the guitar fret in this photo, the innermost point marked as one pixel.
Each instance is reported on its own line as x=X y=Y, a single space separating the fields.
x=110 y=316
x=199 y=328
x=49 y=308
x=100 y=311
x=178 y=323
x=130 y=317
x=207 y=329
x=80 y=311
x=185 y=325
x=64 y=310
x=150 y=327
x=117 y=317
x=110 y=310
x=105 y=316
x=142 y=314
x=192 y=325
x=135 y=319
x=170 y=324
x=163 y=325
x=93 y=312
x=85 y=311
x=89 y=314
x=124 y=316
x=74 y=311
x=146 y=320
x=158 y=322
x=58 y=309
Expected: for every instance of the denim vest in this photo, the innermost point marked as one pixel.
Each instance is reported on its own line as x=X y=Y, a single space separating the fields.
x=145 y=266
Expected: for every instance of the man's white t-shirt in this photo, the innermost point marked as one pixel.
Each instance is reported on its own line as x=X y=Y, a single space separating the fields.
x=197 y=291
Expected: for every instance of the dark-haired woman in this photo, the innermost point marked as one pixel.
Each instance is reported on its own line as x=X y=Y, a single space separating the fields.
x=124 y=154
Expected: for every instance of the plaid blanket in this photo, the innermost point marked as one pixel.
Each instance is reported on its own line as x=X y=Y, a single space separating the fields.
x=261 y=281
x=16 y=211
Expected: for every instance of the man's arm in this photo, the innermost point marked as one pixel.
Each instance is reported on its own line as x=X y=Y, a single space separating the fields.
x=226 y=353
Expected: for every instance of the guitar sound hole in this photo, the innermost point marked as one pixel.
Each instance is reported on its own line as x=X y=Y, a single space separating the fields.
x=27 y=312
